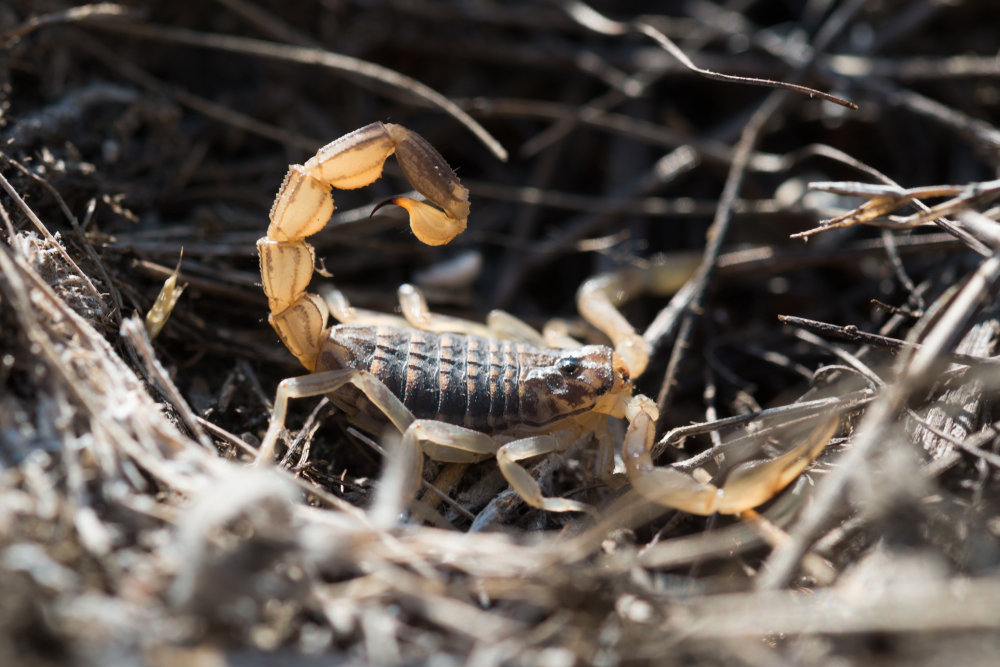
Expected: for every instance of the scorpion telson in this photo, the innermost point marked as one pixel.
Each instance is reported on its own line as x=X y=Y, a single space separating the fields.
x=461 y=391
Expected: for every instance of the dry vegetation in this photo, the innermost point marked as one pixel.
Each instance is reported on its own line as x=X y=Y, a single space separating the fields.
x=132 y=530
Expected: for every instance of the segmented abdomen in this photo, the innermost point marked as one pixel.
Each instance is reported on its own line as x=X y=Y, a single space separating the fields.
x=463 y=380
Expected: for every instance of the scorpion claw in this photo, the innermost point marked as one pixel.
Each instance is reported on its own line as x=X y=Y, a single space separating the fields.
x=747 y=486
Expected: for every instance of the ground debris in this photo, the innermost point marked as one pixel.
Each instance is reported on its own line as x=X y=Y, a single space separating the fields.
x=134 y=528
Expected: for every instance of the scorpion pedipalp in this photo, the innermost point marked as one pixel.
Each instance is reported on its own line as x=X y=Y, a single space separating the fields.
x=747 y=485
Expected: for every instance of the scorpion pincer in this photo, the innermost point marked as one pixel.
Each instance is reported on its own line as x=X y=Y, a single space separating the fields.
x=461 y=391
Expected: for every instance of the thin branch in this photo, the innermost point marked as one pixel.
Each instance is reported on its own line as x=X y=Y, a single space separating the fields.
x=853 y=334
x=590 y=18
x=305 y=56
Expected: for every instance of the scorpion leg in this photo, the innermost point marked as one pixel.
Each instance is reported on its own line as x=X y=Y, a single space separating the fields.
x=455 y=444
x=524 y=484
x=747 y=486
x=499 y=324
x=324 y=383
x=606 y=454
x=405 y=468
x=413 y=303
x=441 y=441
x=597 y=423
x=345 y=313
x=514 y=328
x=556 y=334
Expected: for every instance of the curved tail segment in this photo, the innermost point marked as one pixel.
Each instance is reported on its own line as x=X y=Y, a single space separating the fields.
x=304 y=205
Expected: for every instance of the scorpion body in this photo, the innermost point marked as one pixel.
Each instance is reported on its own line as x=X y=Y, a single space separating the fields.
x=483 y=384
x=455 y=395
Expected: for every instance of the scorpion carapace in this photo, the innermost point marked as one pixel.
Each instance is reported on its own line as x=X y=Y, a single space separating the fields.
x=486 y=385
x=462 y=393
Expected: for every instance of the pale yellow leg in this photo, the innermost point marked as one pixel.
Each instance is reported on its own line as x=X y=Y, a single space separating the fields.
x=450 y=443
x=440 y=441
x=345 y=313
x=598 y=300
x=507 y=326
x=324 y=383
x=499 y=324
x=524 y=484
x=416 y=311
x=606 y=456
x=443 y=442
x=597 y=423
x=556 y=334
x=456 y=444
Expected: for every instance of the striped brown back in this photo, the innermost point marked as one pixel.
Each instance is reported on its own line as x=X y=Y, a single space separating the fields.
x=463 y=380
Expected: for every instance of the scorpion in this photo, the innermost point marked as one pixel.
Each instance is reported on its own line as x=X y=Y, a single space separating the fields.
x=459 y=391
